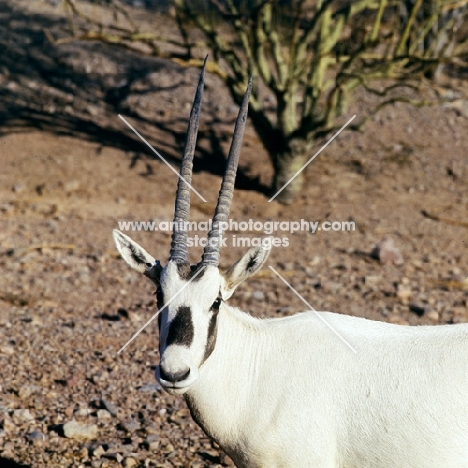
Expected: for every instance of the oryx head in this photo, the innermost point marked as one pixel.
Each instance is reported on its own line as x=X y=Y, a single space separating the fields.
x=191 y=296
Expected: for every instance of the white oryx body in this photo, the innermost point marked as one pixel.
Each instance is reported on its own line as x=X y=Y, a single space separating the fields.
x=288 y=393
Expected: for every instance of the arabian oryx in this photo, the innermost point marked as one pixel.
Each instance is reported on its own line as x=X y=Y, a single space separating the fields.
x=287 y=392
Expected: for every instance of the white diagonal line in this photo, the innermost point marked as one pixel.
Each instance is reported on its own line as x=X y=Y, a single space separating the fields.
x=312 y=158
x=313 y=310
x=168 y=165
x=159 y=311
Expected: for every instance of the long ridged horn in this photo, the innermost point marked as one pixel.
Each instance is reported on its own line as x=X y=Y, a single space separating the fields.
x=212 y=248
x=179 y=251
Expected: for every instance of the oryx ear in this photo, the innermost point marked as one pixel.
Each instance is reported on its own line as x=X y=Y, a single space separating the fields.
x=245 y=267
x=136 y=256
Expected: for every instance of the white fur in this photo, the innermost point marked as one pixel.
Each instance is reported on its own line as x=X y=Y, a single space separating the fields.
x=288 y=393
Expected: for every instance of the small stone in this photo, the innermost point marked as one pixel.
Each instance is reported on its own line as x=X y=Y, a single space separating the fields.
x=114 y=456
x=8 y=350
x=258 y=295
x=69 y=411
x=130 y=462
x=459 y=312
x=109 y=406
x=418 y=309
x=131 y=425
x=36 y=437
x=386 y=252
x=9 y=447
x=76 y=430
x=225 y=460
x=22 y=415
x=433 y=315
x=26 y=391
x=19 y=187
x=98 y=452
x=83 y=454
x=71 y=185
x=371 y=281
x=93 y=110
x=134 y=317
x=83 y=412
x=151 y=387
x=331 y=286
x=403 y=293
x=103 y=414
x=152 y=428
x=152 y=442
x=8 y=425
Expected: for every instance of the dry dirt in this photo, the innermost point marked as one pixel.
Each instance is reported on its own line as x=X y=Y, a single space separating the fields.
x=71 y=169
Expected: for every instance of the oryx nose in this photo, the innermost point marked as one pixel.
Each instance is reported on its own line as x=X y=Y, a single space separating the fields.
x=174 y=377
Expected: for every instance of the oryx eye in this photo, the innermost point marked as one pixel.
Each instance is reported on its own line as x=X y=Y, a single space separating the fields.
x=216 y=304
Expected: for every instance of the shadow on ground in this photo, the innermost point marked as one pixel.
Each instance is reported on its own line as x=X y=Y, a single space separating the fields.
x=5 y=463
x=60 y=89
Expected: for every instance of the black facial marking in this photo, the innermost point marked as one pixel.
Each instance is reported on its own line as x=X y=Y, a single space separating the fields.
x=159 y=298
x=187 y=271
x=181 y=328
x=183 y=268
x=211 y=340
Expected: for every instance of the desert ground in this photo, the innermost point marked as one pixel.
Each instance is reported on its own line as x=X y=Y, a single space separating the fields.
x=71 y=170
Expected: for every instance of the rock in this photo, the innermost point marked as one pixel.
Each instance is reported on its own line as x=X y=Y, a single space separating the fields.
x=131 y=425
x=83 y=454
x=36 y=437
x=8 y=350
x=459 y=311
x=26 y=391
x=403 y=293
x=8 y=425
x=114 y=456
x=258 y=295
x=386 y=252
x=75 y=430
x=151 y=387
x=152 y=428
x=19 y=187
x=103 y=414
x=98 y=452
x=22 y=415
x=152 y=442
x=9 y=447
x=93 y=110
x=130 y=462
x=331 y=286
x=109 y=406
x=418 y=309
x=371 y=281
x=433 y=315
x=83 y=412
x=71 y=185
